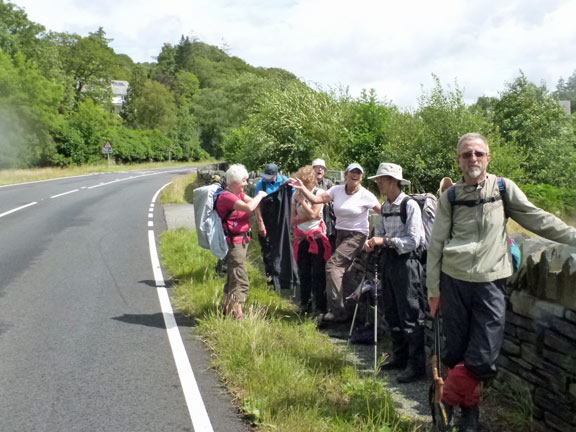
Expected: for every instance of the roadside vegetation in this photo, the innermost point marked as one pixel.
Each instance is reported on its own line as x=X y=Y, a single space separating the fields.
x=285 y=374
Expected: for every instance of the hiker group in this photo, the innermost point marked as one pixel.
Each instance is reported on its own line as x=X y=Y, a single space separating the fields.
x=450 y=259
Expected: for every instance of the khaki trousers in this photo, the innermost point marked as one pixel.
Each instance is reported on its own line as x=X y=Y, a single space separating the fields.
x=348 y=245
x=237 y=283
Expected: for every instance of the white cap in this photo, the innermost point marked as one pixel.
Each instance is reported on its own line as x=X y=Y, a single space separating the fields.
x=319 y=162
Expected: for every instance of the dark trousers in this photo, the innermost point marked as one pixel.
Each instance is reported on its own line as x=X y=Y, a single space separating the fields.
x=266 y=249
x=312 y=275
x=473 y=316
x=404 y=305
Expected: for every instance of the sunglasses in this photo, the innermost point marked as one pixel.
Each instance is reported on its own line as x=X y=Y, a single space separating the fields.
x=468 y=155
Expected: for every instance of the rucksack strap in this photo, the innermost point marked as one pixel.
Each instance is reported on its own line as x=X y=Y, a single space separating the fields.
x=473 y=203
x=402 y=213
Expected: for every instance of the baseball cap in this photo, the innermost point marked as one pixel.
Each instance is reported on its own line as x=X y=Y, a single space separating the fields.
x=355 y=166
x=270 y=171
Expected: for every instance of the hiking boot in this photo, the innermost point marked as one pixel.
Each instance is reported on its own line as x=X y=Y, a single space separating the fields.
x=469 y=421
x=410 y=374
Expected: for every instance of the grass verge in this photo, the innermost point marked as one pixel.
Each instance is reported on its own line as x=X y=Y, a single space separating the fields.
x=13 y=176
x=286 y=375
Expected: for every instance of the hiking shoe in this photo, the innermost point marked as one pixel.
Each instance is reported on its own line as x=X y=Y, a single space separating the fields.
x=410 y=374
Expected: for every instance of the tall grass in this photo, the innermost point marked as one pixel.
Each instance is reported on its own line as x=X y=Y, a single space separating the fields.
x=180 y=190
x=286 y=375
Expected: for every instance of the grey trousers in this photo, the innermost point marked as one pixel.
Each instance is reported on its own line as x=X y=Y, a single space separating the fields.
x=348 y=245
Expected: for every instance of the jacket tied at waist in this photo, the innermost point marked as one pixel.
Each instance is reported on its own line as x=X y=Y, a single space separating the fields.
x=311 y=236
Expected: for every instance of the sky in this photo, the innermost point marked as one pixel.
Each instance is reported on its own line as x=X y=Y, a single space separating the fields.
x=394 y=47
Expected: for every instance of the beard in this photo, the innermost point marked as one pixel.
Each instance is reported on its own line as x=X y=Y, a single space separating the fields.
x=475 y=172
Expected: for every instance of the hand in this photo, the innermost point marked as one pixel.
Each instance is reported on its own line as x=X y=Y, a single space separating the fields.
x=261 y=194
x=262 y=228
x=375 y=241
x=434 y=303
x=367 y=246
x=296 y=183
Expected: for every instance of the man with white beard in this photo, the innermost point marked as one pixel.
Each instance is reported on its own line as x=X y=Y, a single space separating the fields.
x=468 y=263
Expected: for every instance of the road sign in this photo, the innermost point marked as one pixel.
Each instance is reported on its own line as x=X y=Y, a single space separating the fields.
x=107 y=149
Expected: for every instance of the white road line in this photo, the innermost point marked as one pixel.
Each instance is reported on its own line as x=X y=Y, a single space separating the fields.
x=196 y=407
x=150 y=223
x=17 y=209
x=150 y=215
x=65 y=193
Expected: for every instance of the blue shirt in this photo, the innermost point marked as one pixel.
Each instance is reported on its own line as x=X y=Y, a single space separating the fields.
x=269 y=187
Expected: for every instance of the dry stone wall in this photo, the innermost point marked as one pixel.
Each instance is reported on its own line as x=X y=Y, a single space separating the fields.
x=538 y=358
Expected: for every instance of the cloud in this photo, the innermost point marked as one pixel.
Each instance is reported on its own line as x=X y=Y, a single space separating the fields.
x=391 y=46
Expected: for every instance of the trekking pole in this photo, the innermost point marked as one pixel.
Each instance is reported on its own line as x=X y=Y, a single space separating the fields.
x=439 y=414
x=376 y=283
x=355 y=295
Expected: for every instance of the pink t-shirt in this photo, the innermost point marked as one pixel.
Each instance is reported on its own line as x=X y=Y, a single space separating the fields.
x=233 y=221
x=352 y=210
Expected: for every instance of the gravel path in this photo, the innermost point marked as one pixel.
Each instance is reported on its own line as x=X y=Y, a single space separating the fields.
x=412 y=398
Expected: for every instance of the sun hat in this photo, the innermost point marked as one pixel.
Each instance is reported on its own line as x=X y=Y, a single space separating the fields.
x=355 y=165
x=391 y=170
x=270 y=171
x=319 y=162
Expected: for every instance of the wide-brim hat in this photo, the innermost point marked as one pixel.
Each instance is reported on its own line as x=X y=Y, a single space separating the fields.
x=390 y=170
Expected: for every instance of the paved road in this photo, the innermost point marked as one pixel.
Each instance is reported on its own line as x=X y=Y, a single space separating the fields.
x=83 y=339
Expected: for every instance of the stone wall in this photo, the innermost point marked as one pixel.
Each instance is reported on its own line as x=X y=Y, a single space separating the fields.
x=538 y=358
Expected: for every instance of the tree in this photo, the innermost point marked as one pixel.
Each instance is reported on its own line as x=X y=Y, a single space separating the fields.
x=29 y=109
x=150 y=105
x=531 y=118
x=91 y=62
x=566 y=90
x=17 y=32
x=290 y=127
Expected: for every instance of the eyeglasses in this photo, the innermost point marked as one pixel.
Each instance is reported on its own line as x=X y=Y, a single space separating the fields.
x=469 y=154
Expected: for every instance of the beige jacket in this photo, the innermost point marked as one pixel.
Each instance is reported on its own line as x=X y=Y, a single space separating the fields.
x=471 y=243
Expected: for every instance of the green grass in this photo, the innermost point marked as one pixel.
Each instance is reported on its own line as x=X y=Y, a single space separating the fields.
x=286 y=375
x=13 y=176
x=180 y=190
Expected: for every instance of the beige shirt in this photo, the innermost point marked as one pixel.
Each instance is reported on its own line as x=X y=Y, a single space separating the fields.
x=471 y=243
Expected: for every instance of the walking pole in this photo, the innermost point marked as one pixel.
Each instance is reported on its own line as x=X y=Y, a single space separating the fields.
x=355 y=295
x=440 y=416
x=376 y=283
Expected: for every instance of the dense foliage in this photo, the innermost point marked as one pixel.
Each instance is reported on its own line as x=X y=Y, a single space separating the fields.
x=198 y=101
x=56 y=100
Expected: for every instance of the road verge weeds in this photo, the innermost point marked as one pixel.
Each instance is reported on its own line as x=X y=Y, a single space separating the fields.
x=286 y=375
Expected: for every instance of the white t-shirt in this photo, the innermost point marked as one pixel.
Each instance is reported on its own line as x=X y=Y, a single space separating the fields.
x=352 y=210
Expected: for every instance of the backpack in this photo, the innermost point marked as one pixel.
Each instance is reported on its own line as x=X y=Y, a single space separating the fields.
x=427 y=203
x=208 y=224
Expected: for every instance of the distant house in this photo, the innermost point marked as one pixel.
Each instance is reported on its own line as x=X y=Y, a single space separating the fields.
x=119 y=92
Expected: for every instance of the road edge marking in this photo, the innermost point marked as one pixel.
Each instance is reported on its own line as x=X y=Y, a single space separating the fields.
x=196 y=408
x=14 y=210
